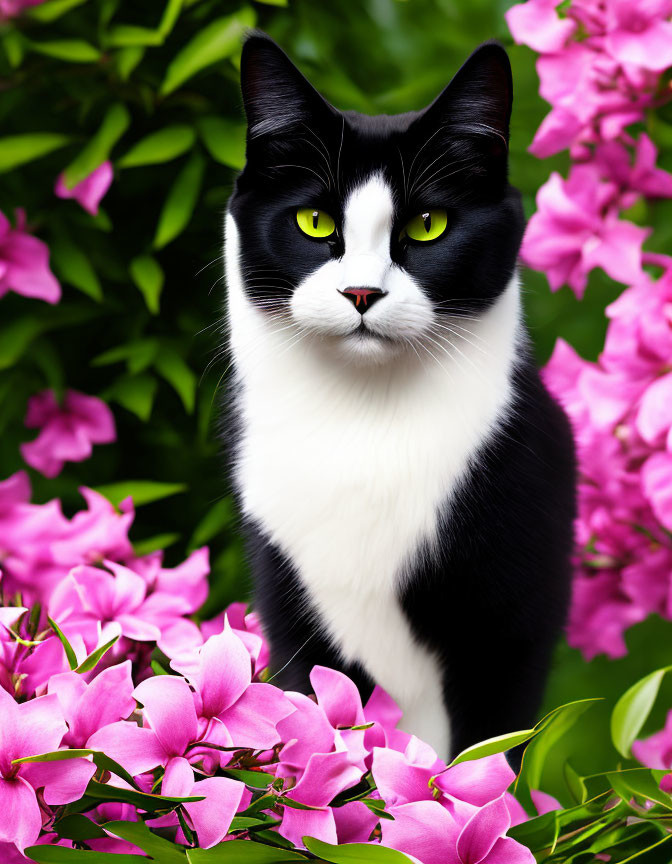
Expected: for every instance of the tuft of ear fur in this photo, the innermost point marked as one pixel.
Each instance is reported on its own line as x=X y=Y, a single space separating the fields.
x=276 y=96
x=475 y=108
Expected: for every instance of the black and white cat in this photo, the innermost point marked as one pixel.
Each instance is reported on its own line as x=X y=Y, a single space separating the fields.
x=406 y=482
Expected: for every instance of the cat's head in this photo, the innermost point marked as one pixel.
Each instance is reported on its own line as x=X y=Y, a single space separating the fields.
x=366 y=234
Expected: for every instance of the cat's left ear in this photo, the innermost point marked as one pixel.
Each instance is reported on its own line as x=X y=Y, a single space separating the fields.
x=277 y=98
x=476 y=105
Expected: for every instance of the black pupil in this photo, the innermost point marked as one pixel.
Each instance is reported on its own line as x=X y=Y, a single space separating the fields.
x=427 y=221
x=316 y=217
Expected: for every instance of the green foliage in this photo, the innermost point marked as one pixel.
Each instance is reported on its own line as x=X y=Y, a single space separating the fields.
x=153 y=87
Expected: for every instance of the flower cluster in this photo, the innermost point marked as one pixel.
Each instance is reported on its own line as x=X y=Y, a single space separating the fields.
x=175 y=720
x=600 y=68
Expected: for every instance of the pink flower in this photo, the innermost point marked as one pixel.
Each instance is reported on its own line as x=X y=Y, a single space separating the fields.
x=24 y=261
x=89 y=707
x=212 y=817
x=537 y=24
x=325 y=776
x=89 y=191
x=29 y=729
x=575 y=230
x=457 y=833
x=115 y=599
x=656 y=750
x=12 y=8
x=639 y=33
x=238 y=712
x=67 y=432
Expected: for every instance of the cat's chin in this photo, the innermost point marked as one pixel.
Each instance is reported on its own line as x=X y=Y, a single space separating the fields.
x=364 y=348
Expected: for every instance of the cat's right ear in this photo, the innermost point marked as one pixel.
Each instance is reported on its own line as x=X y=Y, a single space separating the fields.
x=276 y=96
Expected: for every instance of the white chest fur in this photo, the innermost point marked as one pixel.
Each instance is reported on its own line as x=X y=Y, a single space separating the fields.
x=346 y=469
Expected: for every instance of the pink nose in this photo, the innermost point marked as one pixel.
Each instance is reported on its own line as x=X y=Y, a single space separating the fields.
x=363 y=298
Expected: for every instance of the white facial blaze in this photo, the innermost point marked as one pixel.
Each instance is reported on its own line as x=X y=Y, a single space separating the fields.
x=404 y=312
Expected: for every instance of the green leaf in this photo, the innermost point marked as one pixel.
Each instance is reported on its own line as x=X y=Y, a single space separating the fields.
x=632 y=710
x=244 y=852
x=70 y=50
x=255 y=779
x=148 y=277
x=219 y=40
x=143 y=800
x=170 y=15
x=136 y=393
x=224 y=140
x=54 y=756
x=52 y=9
x=78 y=827
x=274 y=2
x=17 y=150
x=219 y=517
x=61 y=855
x=72 y=265
x=139 y=834
x=15 y=339
x=138 y=354
x=575 y=784
x=141 y=491
x=67 y=647
x=159 y=147
x=127 y=59
x=14 y=44
x=354 y=853
x=97 y=150
x=180 y=201
x=177 y=373
x=153 y=544
x=640 y=783
x=95 y=656
x=550 y=729
x=498 y=744
x=132 y=36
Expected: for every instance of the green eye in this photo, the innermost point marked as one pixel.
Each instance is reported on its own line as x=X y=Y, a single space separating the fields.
x=315 y=223
x=426 y=226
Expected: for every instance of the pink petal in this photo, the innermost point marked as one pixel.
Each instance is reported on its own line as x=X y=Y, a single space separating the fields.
x=212 y=817
x=508 y=851
x=252 y=721
x=169 y=708
x=537 y=25
x=482 y=831
x=477 y=781
x=654 y=417
x=21 y=819
x=297 y=824
x=89 y=191
x=354 y=822
x=224 y=672
x=138 y=750
x=63 y=782
x=656 y=475
x=178 y=779
x=325 y=776
x=650 y=48
x=338 y=696
x=398 y=781
x=87 y=708
x=543 y=802
x=423 y=829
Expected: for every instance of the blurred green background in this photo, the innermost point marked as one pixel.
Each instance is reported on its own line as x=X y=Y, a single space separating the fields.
x=148 y=338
